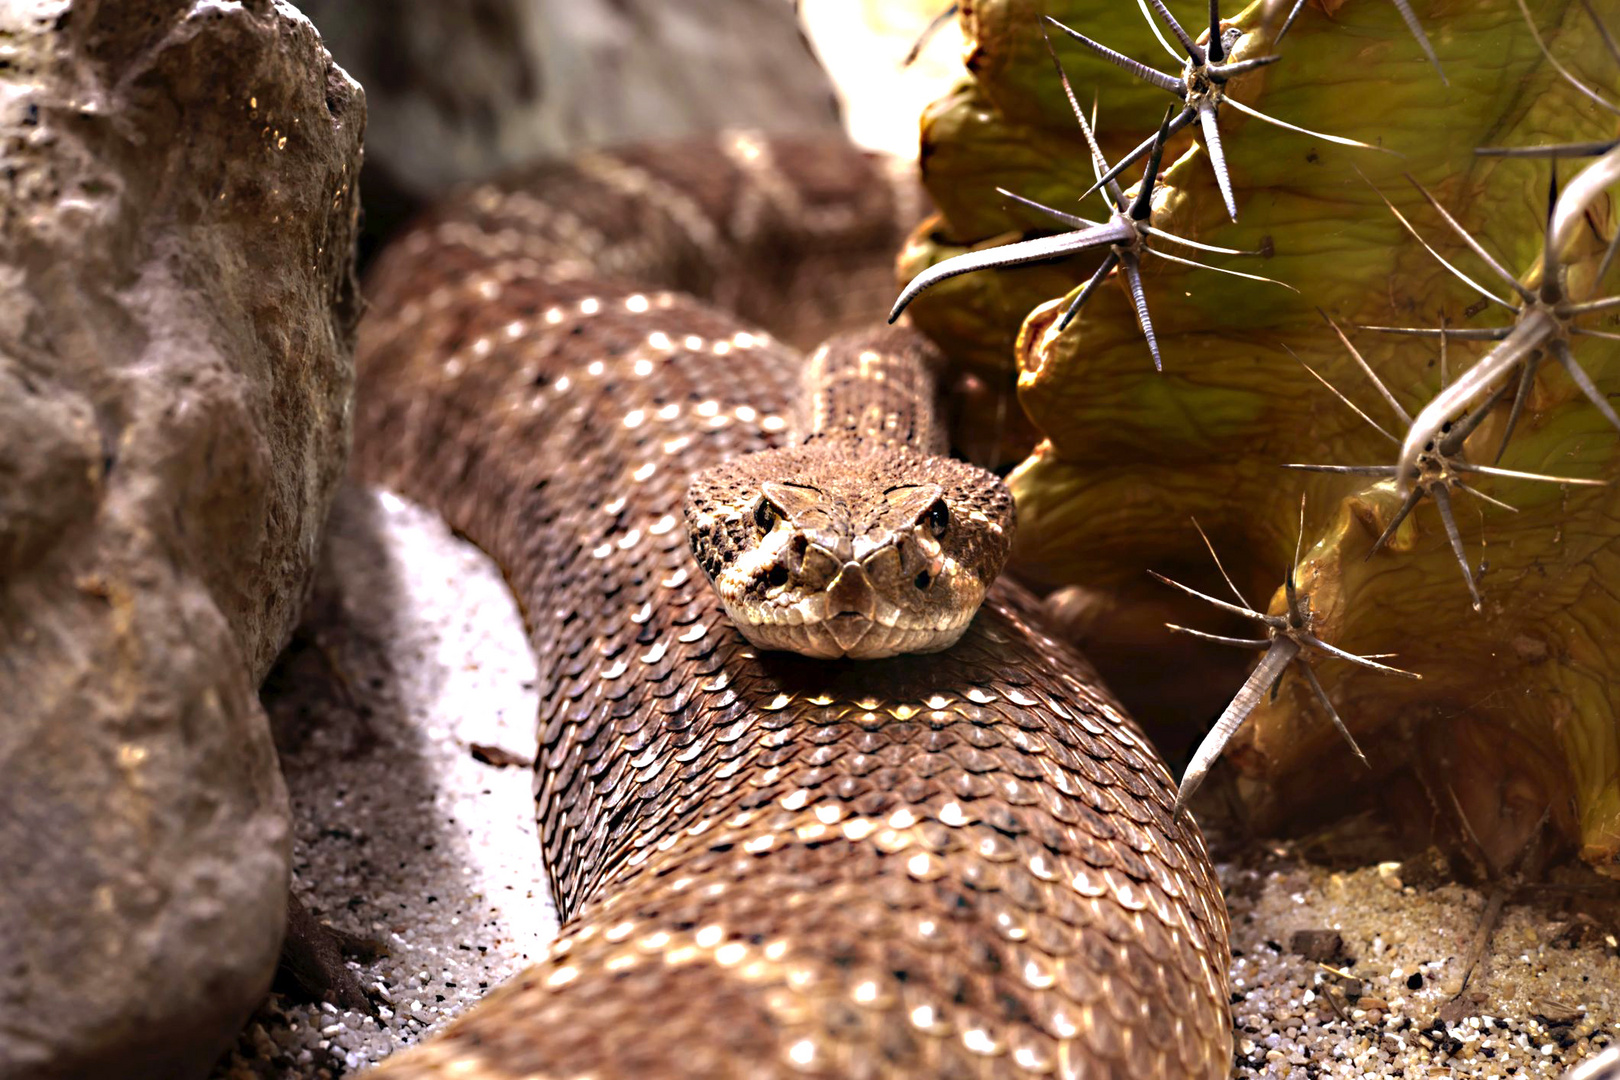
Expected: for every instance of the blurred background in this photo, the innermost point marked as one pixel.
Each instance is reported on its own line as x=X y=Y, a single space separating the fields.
x=465 y=89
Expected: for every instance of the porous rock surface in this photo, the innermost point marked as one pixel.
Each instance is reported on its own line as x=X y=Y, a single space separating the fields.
x=177 y=213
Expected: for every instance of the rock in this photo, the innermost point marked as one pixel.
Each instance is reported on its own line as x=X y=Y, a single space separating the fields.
x=463 y=91
x=176 y=306
x=1320 y=945
x=1555 y=1013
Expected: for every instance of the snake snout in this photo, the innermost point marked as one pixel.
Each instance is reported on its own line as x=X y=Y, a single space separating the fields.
x=814 y=567
x=851 y=593
x=884 y=567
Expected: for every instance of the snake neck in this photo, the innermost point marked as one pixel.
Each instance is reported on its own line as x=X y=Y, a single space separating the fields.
x=874 y=394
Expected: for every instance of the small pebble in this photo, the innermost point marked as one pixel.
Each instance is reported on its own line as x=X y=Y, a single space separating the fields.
x=1321 y=945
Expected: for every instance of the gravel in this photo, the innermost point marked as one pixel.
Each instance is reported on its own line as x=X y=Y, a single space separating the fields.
x=1545 y=995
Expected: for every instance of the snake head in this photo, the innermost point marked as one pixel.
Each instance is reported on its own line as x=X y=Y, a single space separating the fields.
x=833 y=550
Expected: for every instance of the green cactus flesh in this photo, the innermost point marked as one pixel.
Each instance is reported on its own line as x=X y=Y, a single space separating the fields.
x=1512 y=732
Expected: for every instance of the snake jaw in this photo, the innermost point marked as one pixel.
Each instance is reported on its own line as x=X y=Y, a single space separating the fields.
x=852 y=611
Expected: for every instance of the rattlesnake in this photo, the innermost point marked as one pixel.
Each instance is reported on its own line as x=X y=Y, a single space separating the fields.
x=954 y=864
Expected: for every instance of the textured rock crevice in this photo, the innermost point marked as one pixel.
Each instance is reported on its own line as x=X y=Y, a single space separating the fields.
x=176 y=305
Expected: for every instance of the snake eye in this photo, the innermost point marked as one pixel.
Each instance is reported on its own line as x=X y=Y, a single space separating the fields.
x=765 y=515
x=938 y=518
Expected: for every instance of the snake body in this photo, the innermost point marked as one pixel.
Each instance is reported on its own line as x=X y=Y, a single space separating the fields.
x=961 y=863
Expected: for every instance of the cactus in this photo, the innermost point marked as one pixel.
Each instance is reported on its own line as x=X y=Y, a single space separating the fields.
x=1512 y=732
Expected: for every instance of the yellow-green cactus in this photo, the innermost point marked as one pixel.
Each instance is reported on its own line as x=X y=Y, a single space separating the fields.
x=1515 y=718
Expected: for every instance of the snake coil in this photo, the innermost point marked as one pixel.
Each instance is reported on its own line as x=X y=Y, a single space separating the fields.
x=954 y=864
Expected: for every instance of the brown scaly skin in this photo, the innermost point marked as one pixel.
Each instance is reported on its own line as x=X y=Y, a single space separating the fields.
x=954 y=864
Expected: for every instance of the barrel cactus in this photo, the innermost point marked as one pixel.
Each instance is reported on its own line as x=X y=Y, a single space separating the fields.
x=1501 y=591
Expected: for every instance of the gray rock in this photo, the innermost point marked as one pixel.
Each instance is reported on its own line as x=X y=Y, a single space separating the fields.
x=461 y=91
x=177 y=215
x=1322 y=945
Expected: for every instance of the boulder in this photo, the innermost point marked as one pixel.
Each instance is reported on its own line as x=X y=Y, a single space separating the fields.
x=464 y=91
x=177 y=301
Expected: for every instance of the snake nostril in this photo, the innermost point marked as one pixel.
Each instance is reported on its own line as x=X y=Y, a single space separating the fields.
x=776 y=576
x=923 y=580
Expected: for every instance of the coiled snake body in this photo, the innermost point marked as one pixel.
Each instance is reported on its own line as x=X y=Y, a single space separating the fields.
x=960 y=863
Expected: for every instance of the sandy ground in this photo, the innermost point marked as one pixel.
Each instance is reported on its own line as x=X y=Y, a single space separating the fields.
x=405 y=837
x=1391 y=1000
x=401 y=835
